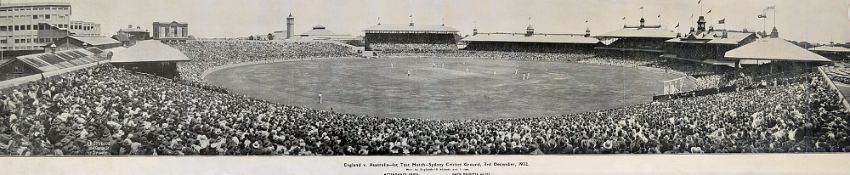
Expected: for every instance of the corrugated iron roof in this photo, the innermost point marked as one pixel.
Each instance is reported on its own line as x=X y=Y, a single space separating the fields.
x=96 y=40
x=407 y=28
x=773 y=49
x=149 y=51
x=46 y=62
x=830 y=49
x=715 y=37
x=640 y=33
x=535 y=38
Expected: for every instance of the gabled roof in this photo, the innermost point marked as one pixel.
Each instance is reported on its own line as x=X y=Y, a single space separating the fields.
x=640 y=33
x=831 y=49
x=149 y=51
x=389 y=28
x=774 y=49
x=535 y=38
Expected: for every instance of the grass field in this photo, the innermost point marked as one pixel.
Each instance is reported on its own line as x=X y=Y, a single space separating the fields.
x=444 y=88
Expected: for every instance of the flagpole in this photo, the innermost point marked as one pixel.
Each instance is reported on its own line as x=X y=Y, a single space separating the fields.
x=774 y=16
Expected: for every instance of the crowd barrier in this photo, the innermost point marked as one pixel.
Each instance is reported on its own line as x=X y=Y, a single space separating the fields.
x=832 y=86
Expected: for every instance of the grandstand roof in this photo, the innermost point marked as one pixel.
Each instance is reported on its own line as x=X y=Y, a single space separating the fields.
x=774 y=49
x=320 y=30
x=96 y=40
x=629 y=32
x=391 y=28
x=46 y=62
x=149 y=51
x=830 y=49
x=714 y=37
x=535 y=38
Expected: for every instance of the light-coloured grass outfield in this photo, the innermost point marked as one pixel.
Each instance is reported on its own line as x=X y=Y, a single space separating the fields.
x=444 y=88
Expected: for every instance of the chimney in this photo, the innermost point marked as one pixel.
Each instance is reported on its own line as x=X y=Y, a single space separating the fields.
x=587 y=33
x=475 y=31
x=411 y=20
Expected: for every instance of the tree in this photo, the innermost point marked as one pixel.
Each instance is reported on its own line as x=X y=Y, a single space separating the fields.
x=271 y=37
x=251 y=37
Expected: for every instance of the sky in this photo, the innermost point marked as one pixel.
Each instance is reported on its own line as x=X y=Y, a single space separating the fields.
x=819 y=21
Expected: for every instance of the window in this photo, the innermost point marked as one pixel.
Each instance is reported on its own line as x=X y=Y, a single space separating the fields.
x=46 y=16
x=29 y=27
x=17 y=28
x=2 y=28
x=18 y=69
x=3 y=41
x=34 y=16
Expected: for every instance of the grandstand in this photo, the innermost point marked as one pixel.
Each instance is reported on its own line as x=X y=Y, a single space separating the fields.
x=47 y=62
x=835 y=53
x=643 y=38
x=411 y=38
x=531 y=42
x=707 y=45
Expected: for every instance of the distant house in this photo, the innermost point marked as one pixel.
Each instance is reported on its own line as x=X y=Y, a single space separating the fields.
x=171 y=31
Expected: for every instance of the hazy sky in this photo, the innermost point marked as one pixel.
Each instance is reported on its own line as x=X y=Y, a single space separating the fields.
x=811 y=20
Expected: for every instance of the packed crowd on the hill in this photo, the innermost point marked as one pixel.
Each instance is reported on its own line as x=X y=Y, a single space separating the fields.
x=206 y=55
x=106 y=110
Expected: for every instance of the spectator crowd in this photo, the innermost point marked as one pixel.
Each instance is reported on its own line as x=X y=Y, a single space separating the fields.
x=110 y=111
x=206 y=55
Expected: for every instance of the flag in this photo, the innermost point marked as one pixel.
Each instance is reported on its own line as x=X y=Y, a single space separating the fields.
x=641 y=7
x=699 y=1
x=762 y=16
x=659 y=15
x=722 y=21
x=624 y=18
x=677 y=25
x=709 y=12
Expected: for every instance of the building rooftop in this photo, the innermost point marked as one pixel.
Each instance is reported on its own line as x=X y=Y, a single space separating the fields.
x=535 y=38
x=149 y=51
x=391 y=28
x=171 y=22
x=46 y=62
x=775 y=49
x=96 y=40
x=831 y=49
x=31 y=4
x=630 y=32
x=714 y=37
